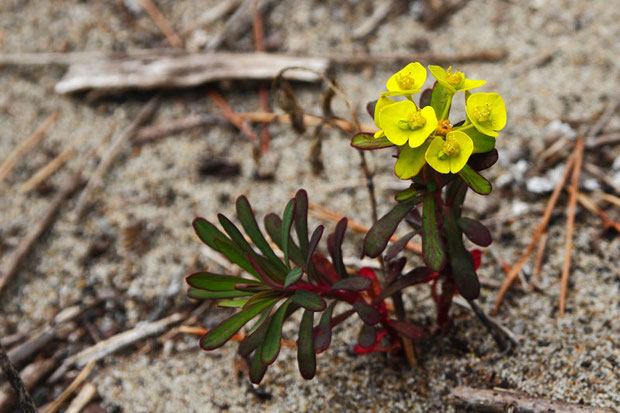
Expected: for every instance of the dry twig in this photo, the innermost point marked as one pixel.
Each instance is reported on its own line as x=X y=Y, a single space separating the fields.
x=46 y=171
x=162 y=23
x=590 y=205
x=369 y=25
x=212 y=15
x=56 y=404
x=232 y=117
x=148 y=134
x=86 y=394
x=27 y=144
x=539 y=258
x=263 y=94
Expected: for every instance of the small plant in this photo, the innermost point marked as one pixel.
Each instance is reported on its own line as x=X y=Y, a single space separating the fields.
x=441 y=159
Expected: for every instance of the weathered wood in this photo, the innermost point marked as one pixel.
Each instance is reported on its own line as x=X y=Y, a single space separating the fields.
x=162 y=70
x=500 y=400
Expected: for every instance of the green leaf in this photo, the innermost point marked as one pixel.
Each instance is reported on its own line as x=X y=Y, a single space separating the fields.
x=441 y=99
x=367 y=313
x=323 y=332
x=354 y=283
x=262 y=296
x=416 y=276
x=482 y=143
x=257 y=368
x=214 y=295
x=367 y=336
x=261 y=320
x=256 y=335
x=475 y=231
x=238 y=303
x=235 y=235
x=293 y=276
x=407 y=193
x=207 y=232
x=287 y=220
x=234 y=254
x=220 y=334
x=377 y=238
x=306 y=358
x=461 y=260
x=216 y=282
x=271 y=345
x=334 y=245
x=273 y=225
x=367 y=142
x=475 y=181
x=398 y=246
x=249 y=224
x=309 y=300
x=432 y=245
x=301 y=220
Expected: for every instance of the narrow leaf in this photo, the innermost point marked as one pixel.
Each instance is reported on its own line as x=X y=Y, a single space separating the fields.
x=325 y=268
x=475 y=181
x=334 y=245
x=367 y=336
x=234 y=254
x=273 y=225
x=323 y=332
x=238 y=303
x=407 y=329
x=416 y=276
x=263 y=275
x=261 y=320
x=475 y=231
x=262 y=296
x=287 y=221
x=367 y=313
x=407 y=193
x=309 y=300
x=293 y=276
x=301 y=220
x=367 y=142
x=257 y=368
x=235 y=235
x=254 y=338
x=370 y=108
x=377 y=238
x=314 y=241
x=425 y=97
x=306 y=358
x=441 y=98
x=214 y=295
x=207 y=232
x=461 y=260
x=249 y=224
x=354 y=283
x=398 y=246
x=432 y=245
x=216 y=282
x=271 y=345
x=220 y=334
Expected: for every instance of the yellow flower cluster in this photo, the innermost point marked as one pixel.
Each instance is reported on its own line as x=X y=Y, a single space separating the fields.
x=421 y=136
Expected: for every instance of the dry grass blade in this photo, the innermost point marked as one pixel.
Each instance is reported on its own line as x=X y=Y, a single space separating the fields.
x=47 y=171
x=86 y=394
x=26 y=145
x=590 y=205
x=54 y=406
x=514 y=271
x=570 y=222
x=162 y=23
x=612 y=199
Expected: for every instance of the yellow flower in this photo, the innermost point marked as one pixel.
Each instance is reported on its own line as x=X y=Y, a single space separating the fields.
x=455 y=82
x=407 y=81
x=449 y=155
x=381 y=103
x=487 y=112
x=410 y=161
x=403 y=122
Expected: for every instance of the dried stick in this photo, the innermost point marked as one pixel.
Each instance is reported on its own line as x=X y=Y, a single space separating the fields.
x=56 y=404
x=212 y=15
x=570 y=222
x=590 y=205
x=25 y=401
x=609 y=111
x=27 y=349
x=501 y=400
x=45 y=172
x=539 y=257
x=370 y=24
x=324 y=213
x=86 y=394
x=263 y=94
x=232 y=117
x=597 y=172
x=160 y=20
x=393 y=58
x=514 y=271
x=116 y=147
x=31 y=375
x=608 y=139
x=309 y=120
x=27 y=144
x=148 y=134
x=612 y=199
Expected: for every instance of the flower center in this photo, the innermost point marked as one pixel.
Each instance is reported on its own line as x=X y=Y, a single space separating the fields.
x=416 y=120
x=455 y=79
x=444 y=127
x=450 y=148
x=482 y=113
x=405 y=81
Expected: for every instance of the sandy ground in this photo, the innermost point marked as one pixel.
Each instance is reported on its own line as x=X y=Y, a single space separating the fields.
x=152 y=193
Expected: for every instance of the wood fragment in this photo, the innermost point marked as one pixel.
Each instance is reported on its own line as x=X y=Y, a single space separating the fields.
x=232 y=117
x=609 y=111
x=263 y=94
x=47 y=170
x=591 y=206
x=324 y=213
x=612 y=199
x=212 y=15
x=30 y=375
x=27 y=144
x=116 y=343
x=25 y=400
x=167 y=70
x=601 y=175
x=86 y=394
x=120 y=142
x=369 y=25
x=539 y=258
x=570 y=222
x=501 y=400
x=30 y=347
x=162 y=23
x=608 y=139
x=54 y=406
x=516 y=268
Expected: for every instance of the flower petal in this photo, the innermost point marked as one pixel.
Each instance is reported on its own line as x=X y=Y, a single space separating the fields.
x=415 y=70
x=389 y=117
x=410 y=161
x=381 y=103
x=466 y=146
x=441 y=166
x=469 y=84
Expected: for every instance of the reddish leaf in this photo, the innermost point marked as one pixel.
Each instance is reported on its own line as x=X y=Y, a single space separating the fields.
x=367 y=313
x=407 y=329
x=475 y=231
x=323 y=332
x=354 y=283
x=306 y=358
x=367 y=336
x=334 y=245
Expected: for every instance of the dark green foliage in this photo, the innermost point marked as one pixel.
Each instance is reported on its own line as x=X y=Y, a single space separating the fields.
x=432 y=243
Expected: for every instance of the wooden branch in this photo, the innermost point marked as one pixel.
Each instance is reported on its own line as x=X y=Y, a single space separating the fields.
x=27 y=349
x=514 y=271
x=25 y=400
x=263 y=93
x=162 y=23
x=47 y=171
x=570 y=222
x=86 y=394
x=608 y=139
x=500 y=401
x=165 y=70
x=27 y=144
x=120 y=142
x=31 y=375
x=54 y=406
